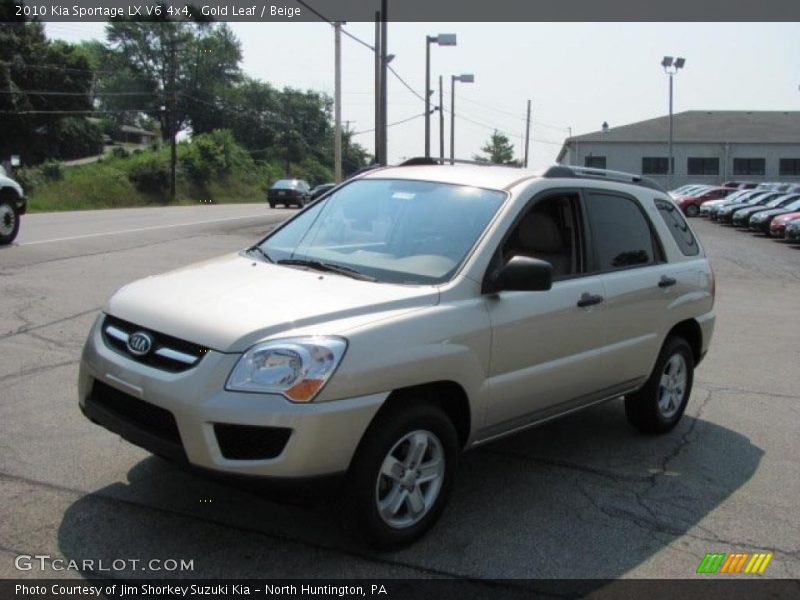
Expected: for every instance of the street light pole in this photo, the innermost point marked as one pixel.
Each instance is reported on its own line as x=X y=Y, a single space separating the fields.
x=441 y=122
x=466 y=78
x=443 y=39
x=671 y=67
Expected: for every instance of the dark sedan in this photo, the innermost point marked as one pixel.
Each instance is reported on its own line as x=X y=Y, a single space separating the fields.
x=762 y=221
x=288 y=192
x=322 y=188
x=741 y=218
x=725 y=214
x=793 y=232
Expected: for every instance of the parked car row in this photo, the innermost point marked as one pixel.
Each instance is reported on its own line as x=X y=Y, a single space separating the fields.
x=693 y=197
x=769 y=212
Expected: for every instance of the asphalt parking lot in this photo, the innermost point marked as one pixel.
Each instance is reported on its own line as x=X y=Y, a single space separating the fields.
x=583 y=497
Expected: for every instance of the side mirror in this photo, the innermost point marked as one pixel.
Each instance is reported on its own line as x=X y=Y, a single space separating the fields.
x=523 y=274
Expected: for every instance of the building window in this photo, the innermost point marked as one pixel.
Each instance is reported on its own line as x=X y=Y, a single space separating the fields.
x=749 y=166
x=595 y=162
x=703 y=166
x=789 y=166
x=655 y=165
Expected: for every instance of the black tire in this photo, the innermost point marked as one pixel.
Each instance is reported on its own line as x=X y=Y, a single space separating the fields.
x=692 y=210
x=364 y=483
x=272 y=205
x=643 y=408
x=9 y=219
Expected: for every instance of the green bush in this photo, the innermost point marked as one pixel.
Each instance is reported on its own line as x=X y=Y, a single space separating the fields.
x=119 y=152
x=214 y=155
x=51 y=171
x=150 y=176
x=76 y=137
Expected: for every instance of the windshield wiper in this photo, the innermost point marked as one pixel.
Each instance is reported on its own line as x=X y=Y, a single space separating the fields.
x=262 y=252
x=326 y=266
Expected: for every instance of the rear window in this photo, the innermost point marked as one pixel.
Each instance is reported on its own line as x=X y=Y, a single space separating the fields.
x=678 y=227
x=285 y=184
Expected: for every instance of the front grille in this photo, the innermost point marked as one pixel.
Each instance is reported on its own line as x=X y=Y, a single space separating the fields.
x=247 y=442
x=167 y=353
x=150 y=418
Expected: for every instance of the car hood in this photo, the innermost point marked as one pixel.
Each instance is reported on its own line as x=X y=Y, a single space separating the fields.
x=229 y=303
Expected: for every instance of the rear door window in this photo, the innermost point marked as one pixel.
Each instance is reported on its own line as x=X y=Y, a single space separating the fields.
x=621 y=234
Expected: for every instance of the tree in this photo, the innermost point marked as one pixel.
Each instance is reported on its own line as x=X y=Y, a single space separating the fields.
x=499 y=150
x=180 y=67
x=41 y=83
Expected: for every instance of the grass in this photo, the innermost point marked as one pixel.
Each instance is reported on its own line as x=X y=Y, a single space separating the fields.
x=105 y=184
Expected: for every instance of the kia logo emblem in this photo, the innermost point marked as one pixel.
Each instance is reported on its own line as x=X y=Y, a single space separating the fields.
x=139 y=343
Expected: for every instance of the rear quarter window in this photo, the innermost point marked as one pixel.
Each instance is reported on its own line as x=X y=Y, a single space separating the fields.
x=678 y=227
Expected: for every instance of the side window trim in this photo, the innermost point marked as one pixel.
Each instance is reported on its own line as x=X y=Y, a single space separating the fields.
x=659 y=255
x=583 y=246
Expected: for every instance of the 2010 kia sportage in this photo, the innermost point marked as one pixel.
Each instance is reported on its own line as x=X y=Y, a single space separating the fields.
x=412 y=313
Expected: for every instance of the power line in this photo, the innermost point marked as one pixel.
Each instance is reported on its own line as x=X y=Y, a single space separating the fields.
x=406 y=120
x=74 y=112
x=330 y=22
x=55 y=93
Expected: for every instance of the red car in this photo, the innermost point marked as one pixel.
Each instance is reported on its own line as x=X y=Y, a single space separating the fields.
x=777 y=228
x=690 y=205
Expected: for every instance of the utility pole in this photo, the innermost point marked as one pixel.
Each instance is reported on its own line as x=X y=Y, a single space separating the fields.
x=527 y=132
x=384 y=65
x=378 y=87
x=441 y=122
x=337 y=102
x=173 y=125
x=452 y=119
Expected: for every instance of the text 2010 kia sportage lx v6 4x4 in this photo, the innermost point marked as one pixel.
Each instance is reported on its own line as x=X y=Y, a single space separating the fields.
x=411 y=313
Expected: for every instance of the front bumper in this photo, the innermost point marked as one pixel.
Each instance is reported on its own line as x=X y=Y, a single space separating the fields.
x=322 y=436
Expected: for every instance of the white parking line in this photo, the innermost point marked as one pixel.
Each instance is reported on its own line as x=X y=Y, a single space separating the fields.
x=90 y=235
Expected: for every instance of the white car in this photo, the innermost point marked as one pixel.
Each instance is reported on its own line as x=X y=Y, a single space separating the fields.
x=12 y=206
x=410 y=314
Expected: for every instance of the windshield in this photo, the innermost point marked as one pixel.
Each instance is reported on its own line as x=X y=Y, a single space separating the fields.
x=397 y=231
x=285 y=184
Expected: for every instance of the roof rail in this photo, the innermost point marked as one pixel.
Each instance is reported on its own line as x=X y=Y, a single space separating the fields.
x=590 y=173
x=431 y=160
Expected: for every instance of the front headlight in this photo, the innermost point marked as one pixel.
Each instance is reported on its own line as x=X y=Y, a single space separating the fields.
x=294 y=367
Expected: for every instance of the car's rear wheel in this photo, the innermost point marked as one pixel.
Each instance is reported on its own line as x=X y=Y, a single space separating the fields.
x=9 y=219
x=659 y=405
x=402 y=475
x=692 y=210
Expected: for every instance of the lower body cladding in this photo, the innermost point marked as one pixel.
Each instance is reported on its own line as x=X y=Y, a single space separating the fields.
x=190 y=417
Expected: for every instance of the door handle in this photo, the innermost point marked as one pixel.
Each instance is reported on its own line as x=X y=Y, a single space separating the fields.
x=665 y=281
x=589 y=300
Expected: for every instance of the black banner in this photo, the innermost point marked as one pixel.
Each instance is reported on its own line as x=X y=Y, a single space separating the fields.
x=729 y=588
x=285 y=11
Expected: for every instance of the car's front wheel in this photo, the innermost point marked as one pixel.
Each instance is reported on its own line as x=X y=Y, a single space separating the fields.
x=692 y=210
x=402 y=475
x=9 y=219
x=660 y=404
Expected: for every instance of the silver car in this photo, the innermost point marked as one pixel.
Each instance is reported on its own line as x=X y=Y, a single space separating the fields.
x=413 y=313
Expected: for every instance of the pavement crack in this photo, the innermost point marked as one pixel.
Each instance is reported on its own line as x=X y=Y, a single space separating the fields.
x=39 y=369
x=28 y=325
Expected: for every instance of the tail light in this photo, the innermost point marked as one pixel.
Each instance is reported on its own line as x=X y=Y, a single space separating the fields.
x=713 y=284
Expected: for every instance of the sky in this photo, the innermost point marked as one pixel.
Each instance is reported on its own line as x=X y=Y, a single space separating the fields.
x=577 y=75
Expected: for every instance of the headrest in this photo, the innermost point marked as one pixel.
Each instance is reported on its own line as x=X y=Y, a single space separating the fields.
x=539 y=233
